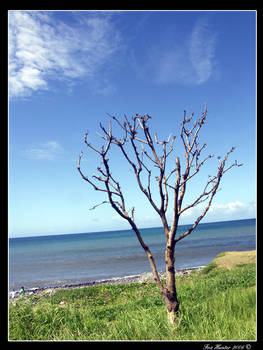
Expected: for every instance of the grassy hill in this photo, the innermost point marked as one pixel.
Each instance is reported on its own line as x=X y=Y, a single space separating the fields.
x=217 y=303
x=229 y=259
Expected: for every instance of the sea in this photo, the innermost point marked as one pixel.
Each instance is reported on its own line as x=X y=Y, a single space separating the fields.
x=73 y=259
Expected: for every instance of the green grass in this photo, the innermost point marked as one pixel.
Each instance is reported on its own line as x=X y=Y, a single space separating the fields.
x=216 y=304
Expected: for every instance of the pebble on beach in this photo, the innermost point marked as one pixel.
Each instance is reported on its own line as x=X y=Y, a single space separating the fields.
x=142 y=278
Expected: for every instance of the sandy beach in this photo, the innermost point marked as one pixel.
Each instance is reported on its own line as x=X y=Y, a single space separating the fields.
x=141 y=278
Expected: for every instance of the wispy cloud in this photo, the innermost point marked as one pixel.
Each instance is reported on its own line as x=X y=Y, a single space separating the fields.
x=186 y=62
x=44 y=47
x=49 y=150
x=202 y=51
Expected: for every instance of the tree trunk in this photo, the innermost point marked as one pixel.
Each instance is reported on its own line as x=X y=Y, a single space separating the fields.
x=172 y=307
x=172 y=317
x=170 y=295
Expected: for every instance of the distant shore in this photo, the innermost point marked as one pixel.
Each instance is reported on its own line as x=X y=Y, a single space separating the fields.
x=141 y=278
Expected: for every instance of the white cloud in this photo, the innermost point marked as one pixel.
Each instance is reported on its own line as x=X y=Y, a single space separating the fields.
x=43 y=48
x=45 y=151
x=232 y=208
x=235 y=210
x=222 y=211
x=189 y=62
x=202 y=51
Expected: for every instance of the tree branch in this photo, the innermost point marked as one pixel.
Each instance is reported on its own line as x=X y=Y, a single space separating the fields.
x=136 y=132
x=215 y=181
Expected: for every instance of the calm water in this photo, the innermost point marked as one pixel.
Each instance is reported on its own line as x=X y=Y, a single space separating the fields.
x=48 y=261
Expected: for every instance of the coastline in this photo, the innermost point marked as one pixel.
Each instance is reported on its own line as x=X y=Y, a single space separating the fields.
x=72 y=261
x=140 y=278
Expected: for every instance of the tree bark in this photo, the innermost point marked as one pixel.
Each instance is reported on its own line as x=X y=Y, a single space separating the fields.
x=170 y=299
x=172 y=306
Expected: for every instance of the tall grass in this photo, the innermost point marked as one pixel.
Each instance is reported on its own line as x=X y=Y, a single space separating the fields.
x=216 y=304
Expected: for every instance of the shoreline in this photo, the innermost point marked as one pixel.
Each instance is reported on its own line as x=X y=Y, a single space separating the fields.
x=140 y=278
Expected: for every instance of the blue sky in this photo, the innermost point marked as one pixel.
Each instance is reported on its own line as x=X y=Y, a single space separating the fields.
x=68 y=69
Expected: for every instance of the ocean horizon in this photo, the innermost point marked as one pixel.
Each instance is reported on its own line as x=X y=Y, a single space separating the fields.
x=78 y=258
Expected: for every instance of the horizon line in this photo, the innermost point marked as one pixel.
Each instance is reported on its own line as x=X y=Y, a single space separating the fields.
x=103 y=231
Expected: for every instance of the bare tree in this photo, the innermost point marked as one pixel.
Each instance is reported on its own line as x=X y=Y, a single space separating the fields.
x=140 y=149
